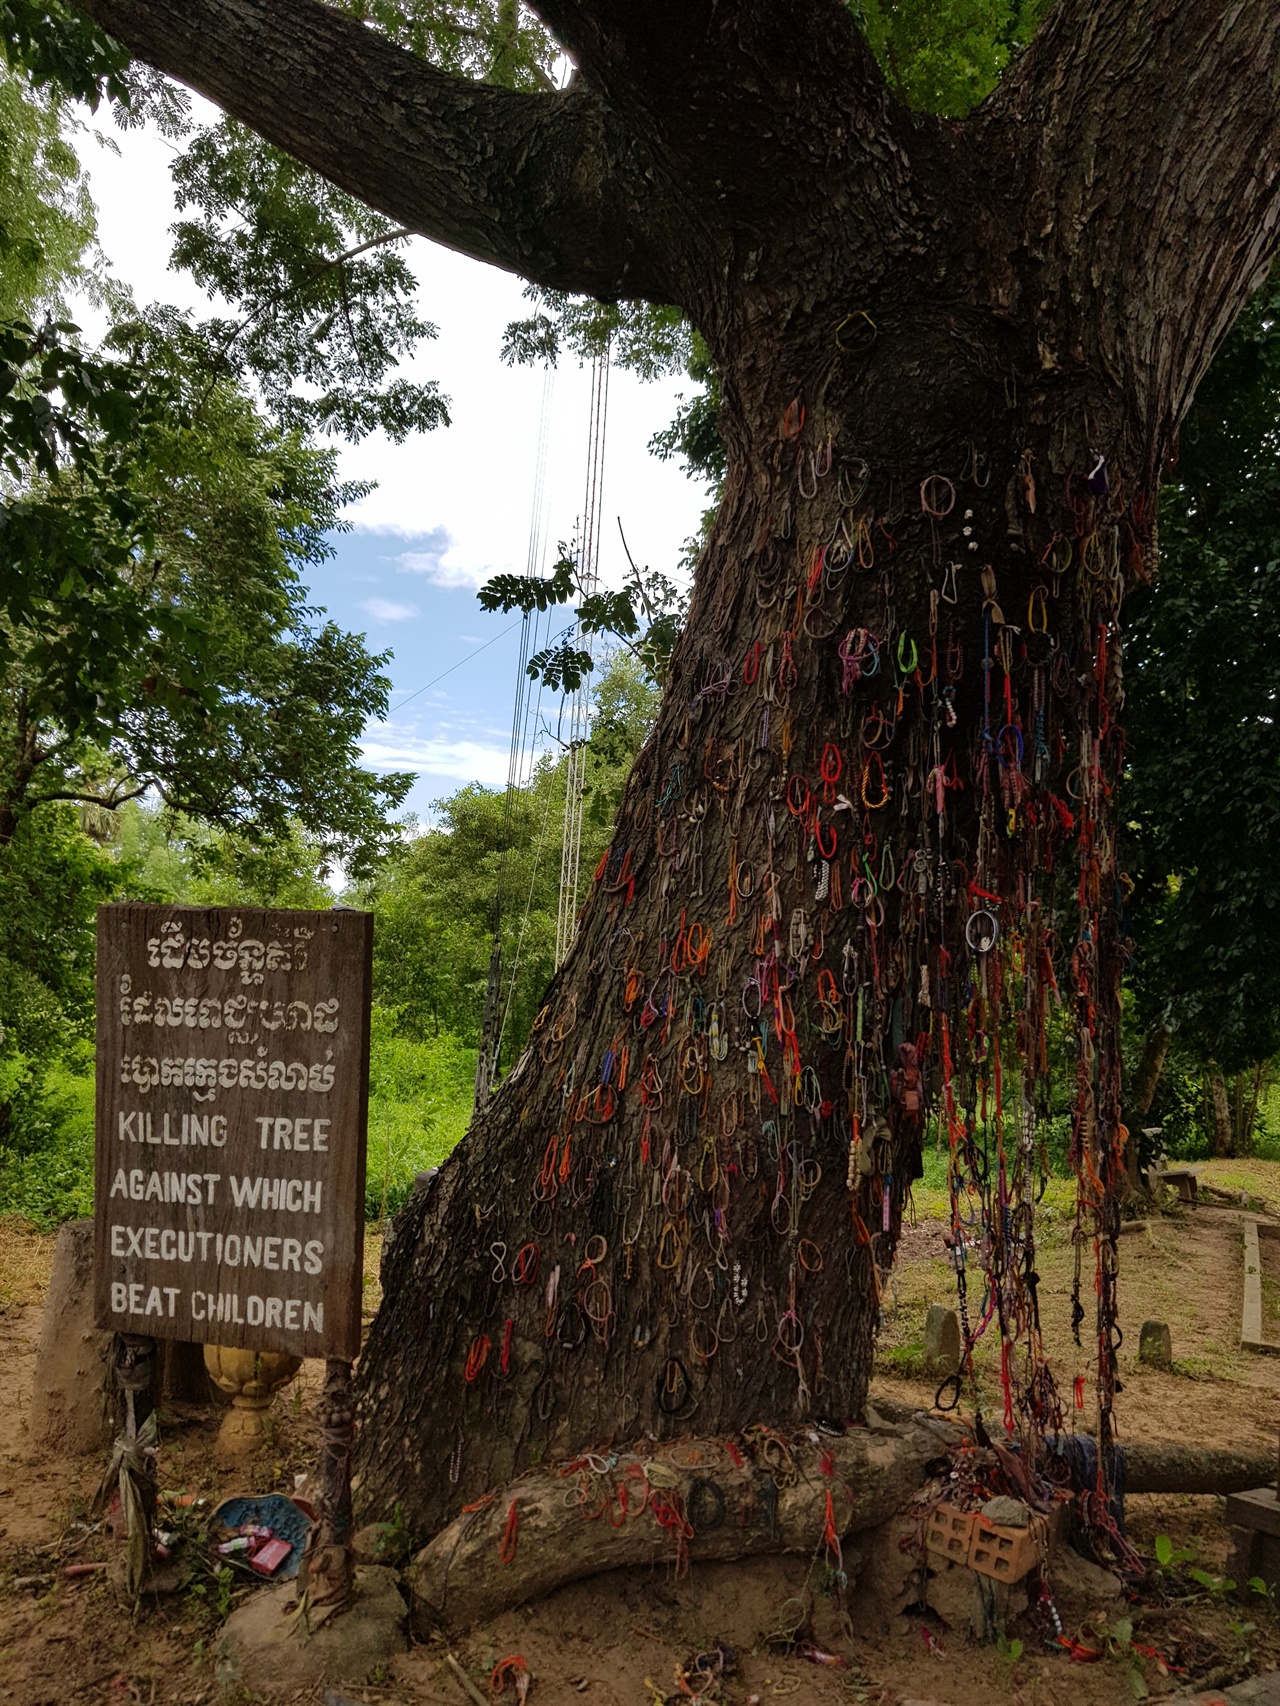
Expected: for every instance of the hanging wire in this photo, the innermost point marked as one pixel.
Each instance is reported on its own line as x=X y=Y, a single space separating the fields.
x=519 y=758
x=580 y=711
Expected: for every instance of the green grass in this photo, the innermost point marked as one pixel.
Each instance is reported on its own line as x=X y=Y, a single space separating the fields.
x=932 y=1198
x=420 y=1096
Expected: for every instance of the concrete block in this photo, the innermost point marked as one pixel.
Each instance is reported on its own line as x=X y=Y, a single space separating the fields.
x=70 y=1411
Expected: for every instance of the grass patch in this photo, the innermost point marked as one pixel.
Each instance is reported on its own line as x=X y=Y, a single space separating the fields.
x=26 y=1261
x=931 y=1195
x=902 y=1362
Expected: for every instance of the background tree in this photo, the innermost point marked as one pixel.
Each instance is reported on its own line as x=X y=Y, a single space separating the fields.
x=1202 y=788
x=154 y=631
x=953 y=356
x=433 y=895
x=156 y=639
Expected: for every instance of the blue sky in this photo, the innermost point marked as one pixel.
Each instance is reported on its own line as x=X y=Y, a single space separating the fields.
x=451 y=507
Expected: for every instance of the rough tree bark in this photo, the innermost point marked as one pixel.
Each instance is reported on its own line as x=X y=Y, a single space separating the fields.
x=896 y=703
x=1150 y=1067
x=1222 y=1129
x=1142 y=1093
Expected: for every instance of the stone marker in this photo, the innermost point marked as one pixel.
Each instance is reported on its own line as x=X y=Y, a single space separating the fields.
x=1155 y=1345
x=69 y=1410
x=941 y=1340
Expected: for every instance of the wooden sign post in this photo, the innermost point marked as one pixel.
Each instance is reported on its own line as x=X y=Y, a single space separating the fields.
x=232 y=1103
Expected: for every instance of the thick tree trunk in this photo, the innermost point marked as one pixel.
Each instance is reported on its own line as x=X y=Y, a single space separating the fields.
x=870 y=838
x=1150 y=1067
x=1251 y=1112
x=1238 y=1143
x=1221 y=1111
x=1139 y=1100
x=676 y=1211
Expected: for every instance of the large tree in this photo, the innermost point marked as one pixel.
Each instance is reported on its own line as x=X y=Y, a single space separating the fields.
x=875 y=812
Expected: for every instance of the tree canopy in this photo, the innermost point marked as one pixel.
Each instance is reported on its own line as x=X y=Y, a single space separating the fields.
x=1202 y=788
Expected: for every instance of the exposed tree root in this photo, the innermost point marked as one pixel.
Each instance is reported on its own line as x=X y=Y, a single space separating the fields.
x=704 y=1499
x=691 y=1499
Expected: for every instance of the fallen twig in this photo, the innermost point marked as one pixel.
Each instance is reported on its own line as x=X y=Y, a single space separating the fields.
x=474 y=1694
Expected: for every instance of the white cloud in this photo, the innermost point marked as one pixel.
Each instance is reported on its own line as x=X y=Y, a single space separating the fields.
x=460 y=760
x=383 y=610
x=428 y=559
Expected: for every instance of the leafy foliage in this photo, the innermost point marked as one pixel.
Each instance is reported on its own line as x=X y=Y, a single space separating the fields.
x=322 y=293
x=77 y=624
x=646 y=614
x=944 y=56
x=421 y=1091
x=649 y=339
x=1203 y=665
x=496 y=41
x=326 y=297
x=56 y=44
x=46 y=217
x=433 y=896
x=694 y=435
x=52 y=879
x=155 y=631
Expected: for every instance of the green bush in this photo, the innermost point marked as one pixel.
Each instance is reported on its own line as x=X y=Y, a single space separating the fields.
x=50 y=1179
x=420 y=1098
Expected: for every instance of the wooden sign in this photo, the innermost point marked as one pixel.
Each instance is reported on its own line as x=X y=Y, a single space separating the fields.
x=233 y=1081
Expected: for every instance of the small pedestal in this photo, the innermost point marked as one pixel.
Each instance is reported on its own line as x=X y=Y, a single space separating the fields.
x=251 y=1378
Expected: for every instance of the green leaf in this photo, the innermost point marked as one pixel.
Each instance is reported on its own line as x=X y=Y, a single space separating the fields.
x=562 y=666
x=529 y=592
x=608 y=613
x=1164 y=1551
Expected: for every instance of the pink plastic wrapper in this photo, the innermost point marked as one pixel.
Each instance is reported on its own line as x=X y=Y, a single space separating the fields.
x=269 y=1557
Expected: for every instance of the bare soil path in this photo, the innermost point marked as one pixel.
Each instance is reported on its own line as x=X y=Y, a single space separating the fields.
x=618 y=1640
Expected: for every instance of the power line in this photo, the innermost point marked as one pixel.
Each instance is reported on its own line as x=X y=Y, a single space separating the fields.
x=580 y=713
x=494 y=1016
x=475 y=654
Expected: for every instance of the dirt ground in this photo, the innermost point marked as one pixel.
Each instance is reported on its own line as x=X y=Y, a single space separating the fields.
x=618 y=1640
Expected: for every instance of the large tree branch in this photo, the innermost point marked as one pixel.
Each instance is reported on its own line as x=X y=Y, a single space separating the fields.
x=1149 y=131
x=693 y=149
x=547 y=186
x=761 y=108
